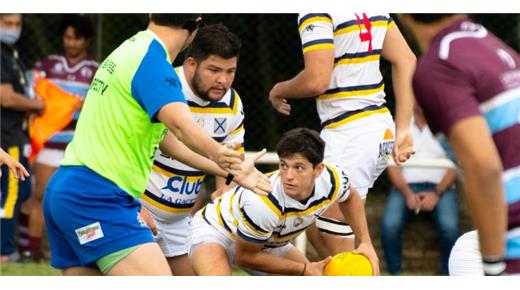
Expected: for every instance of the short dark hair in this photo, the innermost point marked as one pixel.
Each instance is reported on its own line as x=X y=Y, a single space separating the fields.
x=429 y=18
x=304 y=141
x=81 y=23
x=184 y=20
x=214 y=39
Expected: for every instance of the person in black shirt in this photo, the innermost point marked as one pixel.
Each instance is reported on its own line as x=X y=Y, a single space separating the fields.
x=15 y=107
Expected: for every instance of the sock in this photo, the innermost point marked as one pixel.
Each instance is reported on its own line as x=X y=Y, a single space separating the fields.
x=23 y=233
x=35 y=246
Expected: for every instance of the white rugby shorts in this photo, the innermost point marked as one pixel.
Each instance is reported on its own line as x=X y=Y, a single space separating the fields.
x=362 y=148
x=172 y=236
x=204 y=233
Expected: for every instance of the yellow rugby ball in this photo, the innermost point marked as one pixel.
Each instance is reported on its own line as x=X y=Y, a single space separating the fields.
x=348 y=264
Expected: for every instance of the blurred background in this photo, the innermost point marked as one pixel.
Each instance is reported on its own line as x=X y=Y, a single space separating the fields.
x=271 y=52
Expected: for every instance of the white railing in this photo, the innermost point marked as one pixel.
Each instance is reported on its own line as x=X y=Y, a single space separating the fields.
x=301 y=241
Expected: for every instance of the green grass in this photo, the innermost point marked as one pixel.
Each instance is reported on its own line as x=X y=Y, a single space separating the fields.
x=28 y=269
x=42 y=269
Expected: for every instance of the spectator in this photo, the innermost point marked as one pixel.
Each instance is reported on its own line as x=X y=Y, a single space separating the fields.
x=72 y=71
x=420 y=190
x=15 y=106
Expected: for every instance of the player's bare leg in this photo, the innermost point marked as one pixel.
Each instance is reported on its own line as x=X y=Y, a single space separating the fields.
x=81 y=271
x=210 y=260
x=180 y=266
x=146 y=260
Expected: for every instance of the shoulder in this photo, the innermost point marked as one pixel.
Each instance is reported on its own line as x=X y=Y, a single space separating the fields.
x=266 y=210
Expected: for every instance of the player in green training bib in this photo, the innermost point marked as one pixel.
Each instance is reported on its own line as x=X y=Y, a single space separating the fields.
x=135 y=100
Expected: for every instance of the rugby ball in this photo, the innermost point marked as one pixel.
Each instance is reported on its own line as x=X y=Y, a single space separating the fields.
x=348 y=264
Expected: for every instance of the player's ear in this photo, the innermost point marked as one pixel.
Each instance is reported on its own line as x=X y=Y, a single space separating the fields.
x=191 y=64
x=318 y=169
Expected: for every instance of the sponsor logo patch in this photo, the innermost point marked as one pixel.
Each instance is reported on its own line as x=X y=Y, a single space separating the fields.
x=89 y=233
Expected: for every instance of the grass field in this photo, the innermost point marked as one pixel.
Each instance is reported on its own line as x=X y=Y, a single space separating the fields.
x=28 y=269
x=41 y=269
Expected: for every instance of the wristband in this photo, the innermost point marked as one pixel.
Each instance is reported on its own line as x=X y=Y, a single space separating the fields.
x=304 y=268
x=493 y=267
x=229 y=178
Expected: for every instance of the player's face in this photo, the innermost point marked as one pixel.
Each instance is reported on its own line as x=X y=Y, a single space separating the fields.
x=213 y=77
x=74 y=45
x=298 y=175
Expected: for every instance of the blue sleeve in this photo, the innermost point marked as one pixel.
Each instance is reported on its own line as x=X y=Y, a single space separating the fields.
x=155 y=83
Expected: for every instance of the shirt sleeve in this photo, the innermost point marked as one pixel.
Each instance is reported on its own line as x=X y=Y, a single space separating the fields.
x=445 y=95
x=256 y=221
x=236 y=135
x=316 y=31
x=155 y=83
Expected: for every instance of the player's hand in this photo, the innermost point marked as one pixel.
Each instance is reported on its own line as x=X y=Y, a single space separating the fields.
x=413 y=202
x=279 y=103
x=251 y=178
x=429 y=200
x=147 y=218
x=368 y=251
x=316 y=268
x=229 y=159
x=16 y=167
x=403 y=146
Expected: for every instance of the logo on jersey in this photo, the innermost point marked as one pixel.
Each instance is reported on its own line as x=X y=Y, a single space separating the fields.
x=385 y=147
x=298 y=221
x=86 y=72
x=200 y=121
x=310 y=27
x=58 y=68
x=219 y=127
x=89 y=233
x=172 y=82
x=184 y=184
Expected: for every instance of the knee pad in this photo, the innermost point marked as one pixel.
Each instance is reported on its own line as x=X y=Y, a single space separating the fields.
x=334 y=227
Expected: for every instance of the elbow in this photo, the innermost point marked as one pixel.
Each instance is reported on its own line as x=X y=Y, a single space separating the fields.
x=486 y=169
x=407 y=60
x=318 y=86
x=6 y=101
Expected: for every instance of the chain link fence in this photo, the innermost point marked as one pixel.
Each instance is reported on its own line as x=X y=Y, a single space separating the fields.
x=271 y=52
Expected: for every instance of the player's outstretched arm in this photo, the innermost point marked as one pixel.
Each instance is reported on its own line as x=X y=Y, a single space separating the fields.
x=246 y=175
x=313 y=80
x=16 y=167
x=396 y=51
x=177 y=117
x=354 y=210
x=483 y=182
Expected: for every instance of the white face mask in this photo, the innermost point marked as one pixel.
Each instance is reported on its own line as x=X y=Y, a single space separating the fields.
x=9 y=37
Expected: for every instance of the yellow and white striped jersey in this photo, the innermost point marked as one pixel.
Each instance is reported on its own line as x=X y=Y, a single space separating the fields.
x=173 y=186
x=275 y=219
x=356 y=88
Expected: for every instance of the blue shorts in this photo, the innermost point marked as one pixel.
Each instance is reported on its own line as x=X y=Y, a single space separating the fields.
x=89 y=217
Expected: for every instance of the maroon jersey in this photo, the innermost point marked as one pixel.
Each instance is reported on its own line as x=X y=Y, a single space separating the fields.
x=73 y=79
x=467 y=72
